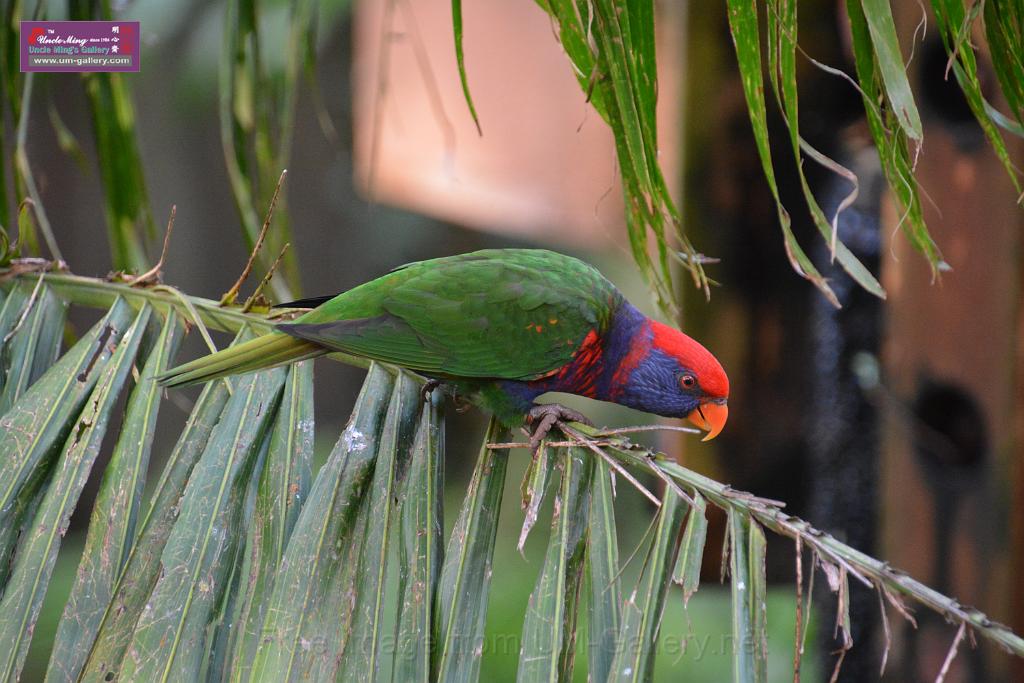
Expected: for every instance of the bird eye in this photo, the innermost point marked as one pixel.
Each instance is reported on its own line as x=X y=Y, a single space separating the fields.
x=688 y=381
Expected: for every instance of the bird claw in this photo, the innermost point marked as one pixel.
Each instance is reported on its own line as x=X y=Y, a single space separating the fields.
x=547 y=415
x=428 y=388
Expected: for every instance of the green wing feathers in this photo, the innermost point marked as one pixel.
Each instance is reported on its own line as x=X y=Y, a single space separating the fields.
x=508 y=313
x=502 y=313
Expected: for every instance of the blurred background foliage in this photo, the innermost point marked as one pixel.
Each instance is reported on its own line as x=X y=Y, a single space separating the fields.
x=861 y=419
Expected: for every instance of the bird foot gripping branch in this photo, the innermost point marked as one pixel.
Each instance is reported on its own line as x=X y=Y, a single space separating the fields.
x=545 y=416
x=428 y=389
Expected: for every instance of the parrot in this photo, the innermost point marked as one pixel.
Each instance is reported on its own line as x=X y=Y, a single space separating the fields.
x=500 y=328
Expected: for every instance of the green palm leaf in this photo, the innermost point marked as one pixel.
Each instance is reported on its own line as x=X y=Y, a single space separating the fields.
x=283 y=486
x=169 y=639
x=421 y=550
x=112 y=526
x=465 y=580
x=316 y=571
x=643 y=608
x=142 y=569
x=604 y=604
x=237 y=568
x=37 y=554
x=549 y=631
x=364 y=653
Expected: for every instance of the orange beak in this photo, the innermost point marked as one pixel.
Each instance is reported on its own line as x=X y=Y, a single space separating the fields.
x=711 y=417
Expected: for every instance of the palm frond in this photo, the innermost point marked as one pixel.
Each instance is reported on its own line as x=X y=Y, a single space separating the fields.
x=604 y=604
x=642 y=610
x=611 y=47
x=244 y=566
x=114 y=519
x=549 y=630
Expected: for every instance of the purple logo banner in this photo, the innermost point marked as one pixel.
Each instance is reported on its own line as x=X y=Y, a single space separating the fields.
x=80 y=46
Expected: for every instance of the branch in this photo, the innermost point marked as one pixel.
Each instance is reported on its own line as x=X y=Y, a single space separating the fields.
x=100 y=293
x=869 y=570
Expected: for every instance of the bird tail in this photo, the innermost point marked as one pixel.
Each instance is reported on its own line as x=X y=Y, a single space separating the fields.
x=262 y=353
